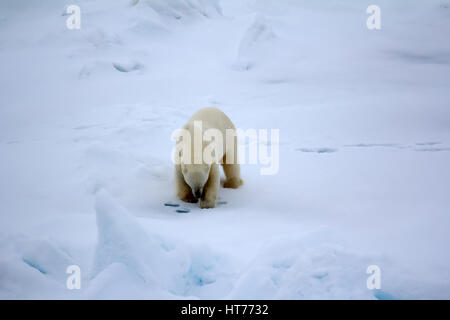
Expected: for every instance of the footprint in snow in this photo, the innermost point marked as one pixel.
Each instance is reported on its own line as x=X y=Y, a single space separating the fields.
x=317 y=150
x=428 y=143
x=13 y=142
x=375 y=145
x=184 y=209
x=127 y=66
x=433 y=149
x=171 y=204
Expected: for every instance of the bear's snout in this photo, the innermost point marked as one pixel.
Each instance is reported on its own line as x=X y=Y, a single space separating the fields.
x=197 y=193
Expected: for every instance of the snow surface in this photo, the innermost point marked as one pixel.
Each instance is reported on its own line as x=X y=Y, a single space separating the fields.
x=85 y=123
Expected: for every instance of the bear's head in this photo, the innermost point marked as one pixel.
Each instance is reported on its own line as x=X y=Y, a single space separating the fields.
x=196 y=176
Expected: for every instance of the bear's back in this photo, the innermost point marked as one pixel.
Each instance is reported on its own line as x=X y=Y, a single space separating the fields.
x=212 y=118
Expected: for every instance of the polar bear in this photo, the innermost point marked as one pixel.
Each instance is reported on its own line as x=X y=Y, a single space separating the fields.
x=200 y=180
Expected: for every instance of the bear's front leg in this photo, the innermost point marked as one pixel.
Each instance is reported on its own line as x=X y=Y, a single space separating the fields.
x=211 y=188
x=184 y=192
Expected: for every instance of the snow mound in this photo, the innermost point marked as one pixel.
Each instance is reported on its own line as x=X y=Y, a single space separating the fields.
x=120 y=239
x=180 y=9
x=31 y=267
x=255 y=44
x=296 y=268
x=154 y=262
